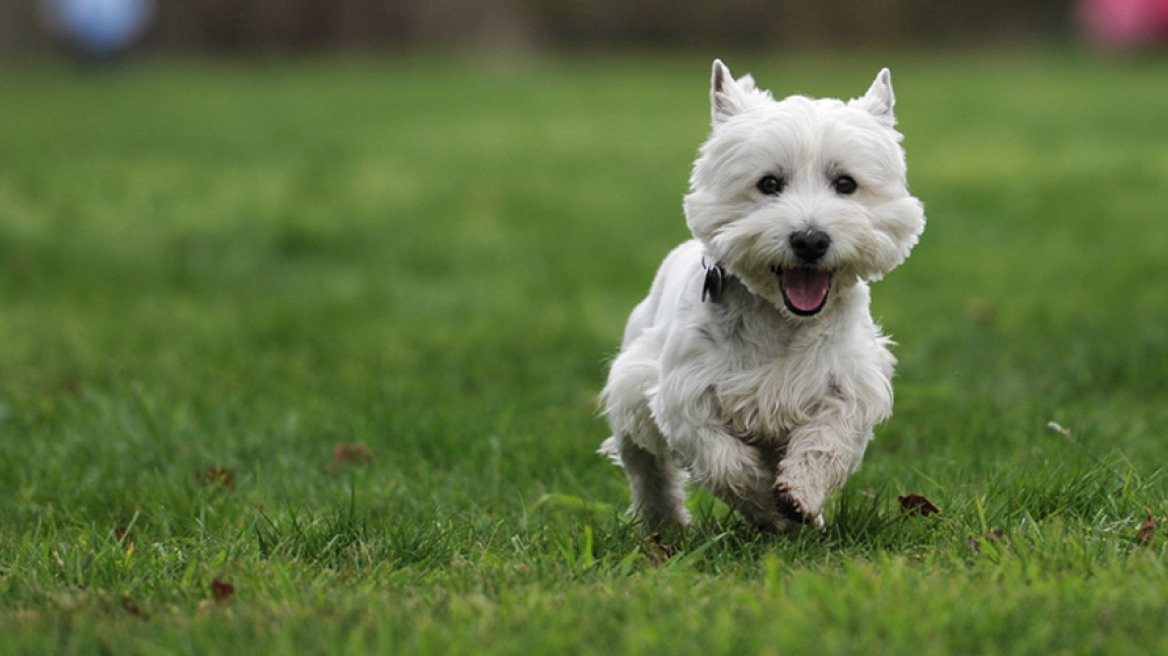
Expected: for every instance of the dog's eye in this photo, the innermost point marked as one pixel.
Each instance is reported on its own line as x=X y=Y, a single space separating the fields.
x=845 y=184
x=771 y=185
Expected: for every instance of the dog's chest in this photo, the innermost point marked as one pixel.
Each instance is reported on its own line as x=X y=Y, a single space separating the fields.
x=767 y=378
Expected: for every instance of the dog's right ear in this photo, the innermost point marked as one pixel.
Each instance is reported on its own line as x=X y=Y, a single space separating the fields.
x=727 y=96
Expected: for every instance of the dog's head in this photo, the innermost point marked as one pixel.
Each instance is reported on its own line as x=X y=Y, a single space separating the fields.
x=799 y=196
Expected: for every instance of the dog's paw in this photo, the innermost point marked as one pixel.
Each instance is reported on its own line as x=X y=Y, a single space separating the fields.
x=789 y=507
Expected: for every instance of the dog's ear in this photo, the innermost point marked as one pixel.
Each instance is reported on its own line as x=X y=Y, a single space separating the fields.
x=727 y=96
x=879 y=100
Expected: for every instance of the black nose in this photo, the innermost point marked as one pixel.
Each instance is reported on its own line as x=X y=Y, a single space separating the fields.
x=810 y=245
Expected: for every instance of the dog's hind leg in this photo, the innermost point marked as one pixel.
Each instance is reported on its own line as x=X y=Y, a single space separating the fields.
x=656 y=482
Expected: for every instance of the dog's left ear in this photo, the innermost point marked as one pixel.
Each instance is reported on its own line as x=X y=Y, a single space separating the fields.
x=879 y=100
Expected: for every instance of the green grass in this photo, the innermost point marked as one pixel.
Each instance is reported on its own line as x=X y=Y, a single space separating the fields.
x=245 y=266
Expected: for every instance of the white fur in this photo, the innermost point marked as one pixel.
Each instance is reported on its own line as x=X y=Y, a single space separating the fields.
x=769 y=410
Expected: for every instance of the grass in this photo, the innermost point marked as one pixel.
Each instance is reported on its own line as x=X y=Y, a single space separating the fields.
x=302 y=357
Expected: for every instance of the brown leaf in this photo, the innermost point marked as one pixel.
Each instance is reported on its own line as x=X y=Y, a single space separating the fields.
x=917 y=504
x=132 y=608
x=125 y=539
x=351 y=454
x=216 y=475
x=222 y=591
x=982 y=311
x=1147 y=531
x=655 y=549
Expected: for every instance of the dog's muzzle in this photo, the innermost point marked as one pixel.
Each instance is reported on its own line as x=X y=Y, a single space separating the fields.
x=805 y=289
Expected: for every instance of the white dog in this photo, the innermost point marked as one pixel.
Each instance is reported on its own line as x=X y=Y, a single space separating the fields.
x=754 y=367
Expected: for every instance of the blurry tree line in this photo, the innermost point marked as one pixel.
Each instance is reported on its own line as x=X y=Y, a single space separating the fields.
x=243 y=26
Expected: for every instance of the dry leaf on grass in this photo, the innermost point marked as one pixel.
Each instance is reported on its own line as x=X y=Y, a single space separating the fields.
x=220 y=476
x=917 y=504
x=125 y=539
x=132 y=609
x=222 y=591
x=350 y=454
x=655 y=549
x=1147 y=531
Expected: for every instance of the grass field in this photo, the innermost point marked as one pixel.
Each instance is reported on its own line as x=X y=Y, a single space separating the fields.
x=301 y=357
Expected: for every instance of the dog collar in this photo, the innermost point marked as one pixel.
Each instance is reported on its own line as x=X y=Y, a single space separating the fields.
x=715 y=281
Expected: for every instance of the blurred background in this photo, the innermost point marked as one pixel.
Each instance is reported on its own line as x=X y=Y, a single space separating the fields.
x=104 y=28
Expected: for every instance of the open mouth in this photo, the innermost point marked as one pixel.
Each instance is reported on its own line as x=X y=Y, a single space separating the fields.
x=805 y=290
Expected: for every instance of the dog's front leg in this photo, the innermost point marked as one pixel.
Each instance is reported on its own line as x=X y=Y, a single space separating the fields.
x=731 y=470
x=820 y=456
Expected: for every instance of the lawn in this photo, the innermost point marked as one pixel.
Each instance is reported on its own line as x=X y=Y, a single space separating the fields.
x=302 y=357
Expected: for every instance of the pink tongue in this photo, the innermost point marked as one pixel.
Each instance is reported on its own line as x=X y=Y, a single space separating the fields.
x=806 y=289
